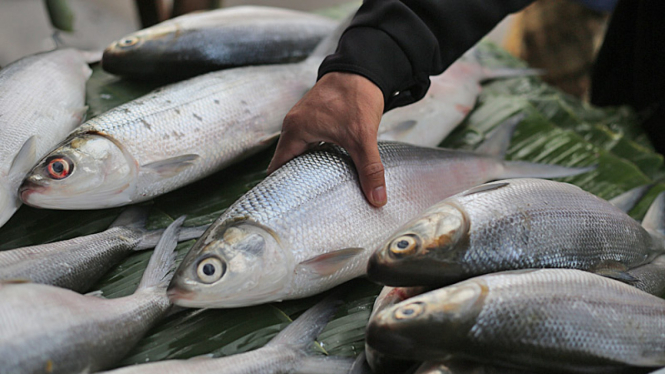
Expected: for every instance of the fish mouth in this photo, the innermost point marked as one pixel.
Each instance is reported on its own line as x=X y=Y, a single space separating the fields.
x=27 y=193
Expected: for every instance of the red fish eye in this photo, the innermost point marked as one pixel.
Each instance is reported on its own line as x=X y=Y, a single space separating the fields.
x=58 y=168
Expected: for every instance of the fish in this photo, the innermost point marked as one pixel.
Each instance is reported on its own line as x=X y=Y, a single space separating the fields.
x=285 y=353
x=514 y=224
x=388 y=297
x=449 y=99
x=172 y=136
x=650 y=277
x=202 y=42
x=307 y=227
x=42 y=99
x=78 y=263
x=543 y=319
x=48 y=329
x=456 y=366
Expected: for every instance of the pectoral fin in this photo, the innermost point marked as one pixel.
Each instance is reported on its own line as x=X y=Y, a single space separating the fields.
x=171 y=166
x=329 y=263
x=614 y=270
x=485 y=188
x=25 y=159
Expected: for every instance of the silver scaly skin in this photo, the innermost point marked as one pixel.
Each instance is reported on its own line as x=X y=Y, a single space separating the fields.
x=42 y=99
x=46 y=329
x=202 y=42
x=651 y=276
x=513 y=224
x=551 y=319
x=307 y=227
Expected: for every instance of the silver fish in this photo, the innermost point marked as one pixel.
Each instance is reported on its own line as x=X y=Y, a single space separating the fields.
x=171 y=137
x=202 y=42
x=388 y=297
x=307 y=227
x=650 y=277
x=284 y=354
x=454 y=366
x=552 y=319
x=514 y=224
x=78 y=263
x=47 y=329
x=42 y=98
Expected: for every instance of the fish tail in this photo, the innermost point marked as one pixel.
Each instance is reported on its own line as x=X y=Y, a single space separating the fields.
x=498 y=140
x=654 y=220
x=160 y=268
x=627 y=200
x=329 y=44
x=304 y=330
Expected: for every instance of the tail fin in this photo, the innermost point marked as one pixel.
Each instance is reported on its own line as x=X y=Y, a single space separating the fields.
x=627 y=200
x=151 y=238
x=309 y=325
x=498 y=140
x=329 y=44
x=134 y=217
x=654 y=220
x=162 y=262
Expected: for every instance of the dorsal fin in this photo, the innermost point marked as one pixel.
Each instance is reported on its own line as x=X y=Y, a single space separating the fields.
x=627 y=200
x=497 y=142
x=654 y=220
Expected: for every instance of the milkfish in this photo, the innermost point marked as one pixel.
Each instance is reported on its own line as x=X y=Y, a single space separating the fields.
x=78 y=263
x=286 y=353
x=47 y=329
x=546 y=320
x=516 y=224
x=202 y=42
x=307 y=227
x=42 y=99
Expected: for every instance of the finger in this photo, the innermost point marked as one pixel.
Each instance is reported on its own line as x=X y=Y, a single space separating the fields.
x=371 y=173
x=287 y=148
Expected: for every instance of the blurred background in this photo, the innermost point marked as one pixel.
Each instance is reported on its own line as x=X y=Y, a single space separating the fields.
x=560 y=36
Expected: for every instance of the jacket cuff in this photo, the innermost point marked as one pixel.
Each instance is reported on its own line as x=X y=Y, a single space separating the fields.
x=376 y=56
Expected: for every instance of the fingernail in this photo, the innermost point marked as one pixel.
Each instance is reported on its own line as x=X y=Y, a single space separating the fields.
x=379 y=195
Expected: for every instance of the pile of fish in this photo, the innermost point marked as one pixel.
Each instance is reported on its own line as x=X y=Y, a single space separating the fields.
x=307 y=227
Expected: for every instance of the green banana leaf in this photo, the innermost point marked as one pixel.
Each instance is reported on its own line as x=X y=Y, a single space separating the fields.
x=558 y=129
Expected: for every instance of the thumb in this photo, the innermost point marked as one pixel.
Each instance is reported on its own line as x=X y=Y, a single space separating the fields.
x=371 y=173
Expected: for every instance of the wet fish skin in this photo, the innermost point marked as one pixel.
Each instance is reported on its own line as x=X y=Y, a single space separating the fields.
x=42 y=98
x=202 y=42
x=54 y=330
x=77 y=263
x=276 y=243
x=650 y=276
x=284 y=354
x=556 y=319
x=513 y=224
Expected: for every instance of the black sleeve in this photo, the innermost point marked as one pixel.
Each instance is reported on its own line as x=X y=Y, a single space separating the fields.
x=398 y=45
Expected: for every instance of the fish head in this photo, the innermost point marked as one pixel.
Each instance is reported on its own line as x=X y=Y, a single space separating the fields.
x=234 y=264
x=140 y=51
x=425 y=252
x=82 y=172
x=430 y=325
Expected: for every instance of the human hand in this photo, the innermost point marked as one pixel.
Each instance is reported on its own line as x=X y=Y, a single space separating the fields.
x=343 y=109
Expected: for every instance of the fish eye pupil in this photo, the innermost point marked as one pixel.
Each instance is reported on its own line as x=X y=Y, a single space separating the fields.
x=407 y=312
x=58 y=167
x=402 y=244
x=208 y=269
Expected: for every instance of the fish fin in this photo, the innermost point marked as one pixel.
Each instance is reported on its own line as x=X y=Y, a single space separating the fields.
x=98 y=294
x=329 y=44
x=654 y=220
x=497 y=142
x=325 y=365
x=151 y=238
x=522 y=169
x=485 y=188
x=9 y=203
x=25 y=159
x=397 y=131
x=614 y=270
x=328 y=263
x=171 y=166
x=203 y=357
x=494 y=73
x=627 y=200
x=269 y=139
x=159 y=270
x=15 y=281
x=134 y=217
x=302 y=332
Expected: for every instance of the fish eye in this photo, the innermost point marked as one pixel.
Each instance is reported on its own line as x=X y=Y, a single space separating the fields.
x=403 y=246
x=210 y=269
x=128 y=41
x=410 y=311
x=59 y=167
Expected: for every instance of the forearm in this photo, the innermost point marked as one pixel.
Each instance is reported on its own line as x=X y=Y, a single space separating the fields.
x=399 y=44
